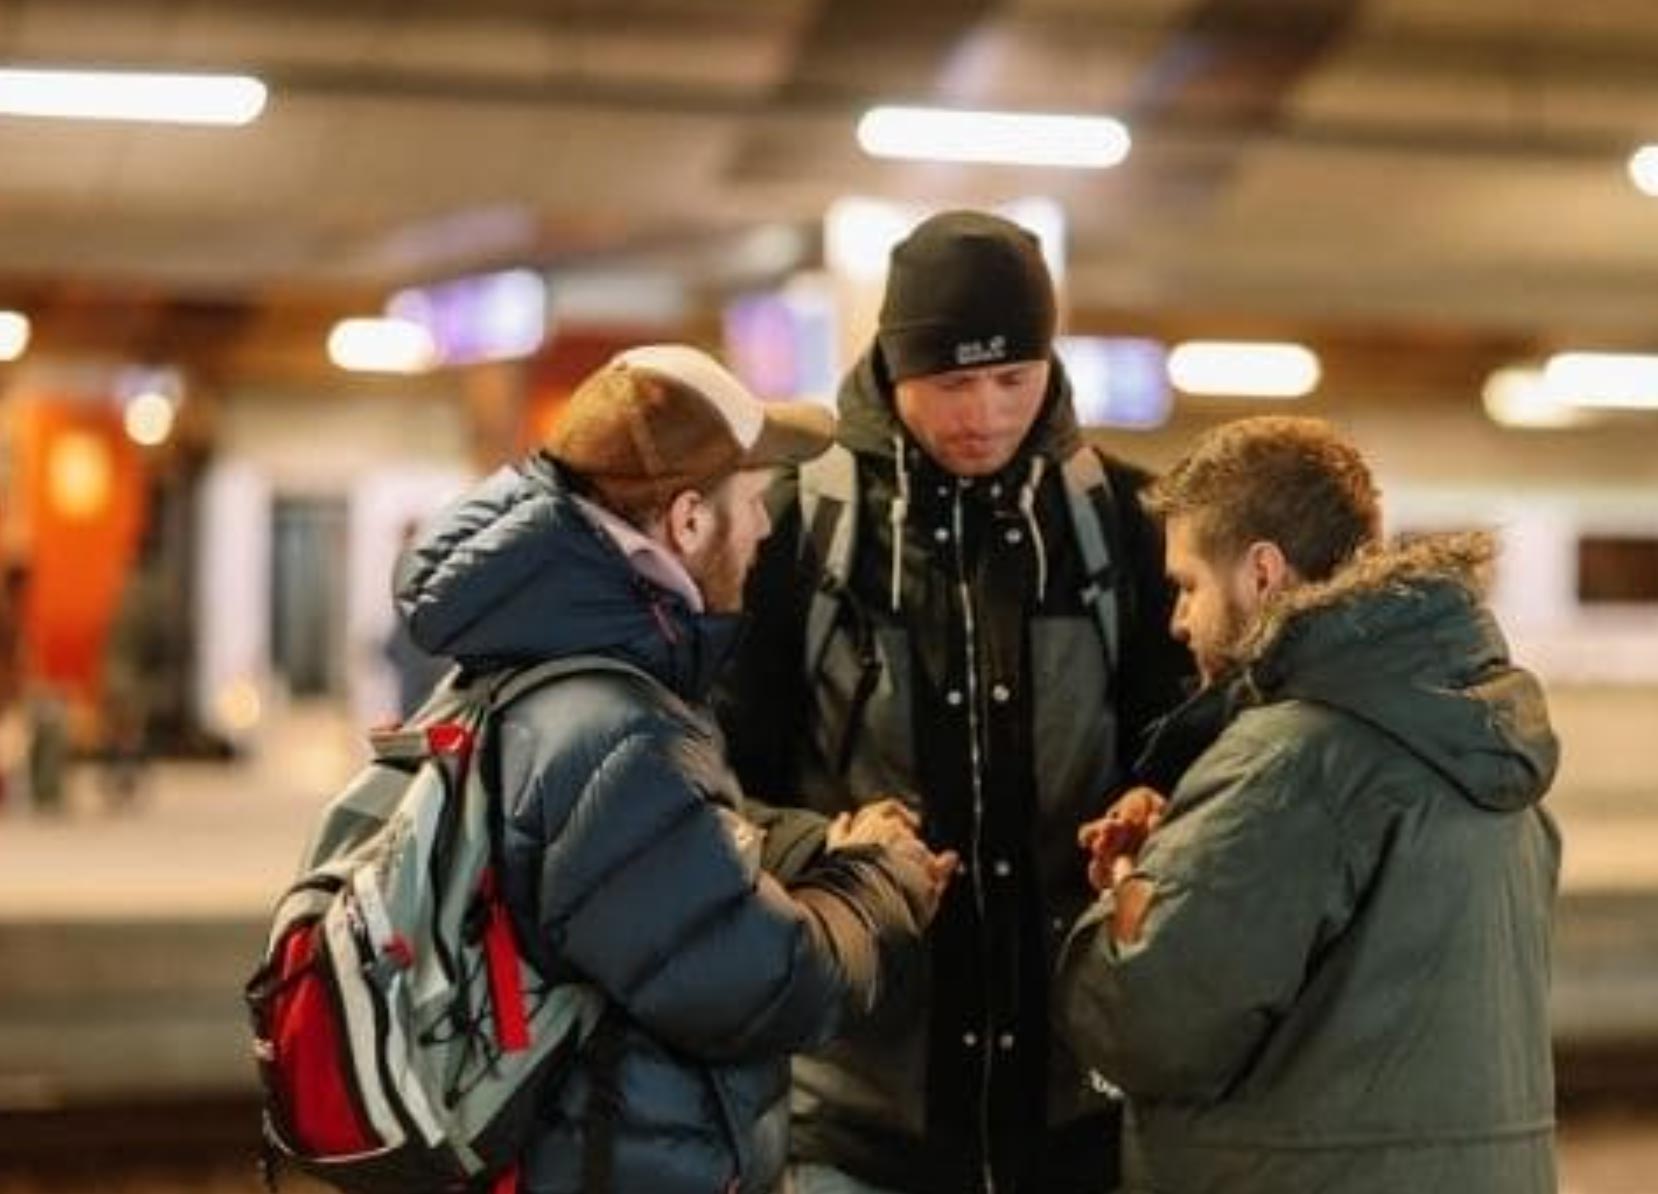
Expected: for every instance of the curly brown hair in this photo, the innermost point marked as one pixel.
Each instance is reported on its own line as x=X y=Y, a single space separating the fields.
x=1295 y=482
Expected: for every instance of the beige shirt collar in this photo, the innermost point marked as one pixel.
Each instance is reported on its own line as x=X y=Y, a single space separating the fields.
x=649 y=558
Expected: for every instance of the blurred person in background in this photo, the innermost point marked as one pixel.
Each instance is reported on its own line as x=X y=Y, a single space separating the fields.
x=1327 y=966
x=140 y=652
x=958 y=665
x=626 y=857
x=14 y=583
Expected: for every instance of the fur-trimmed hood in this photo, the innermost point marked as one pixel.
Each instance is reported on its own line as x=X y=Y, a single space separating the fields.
x=1402 y=640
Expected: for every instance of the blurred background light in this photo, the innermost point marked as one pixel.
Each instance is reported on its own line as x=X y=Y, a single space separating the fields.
x=998 y=138
x=239 y=706
x=1643 y=169
x=14 y=334
x=132 y=95
x=1243 y=369
x=1517 y=397
x=148 y=419
x=483 y=317
x=381 y=346
x=1117 y=381
x=1610 y=380
x=80 y=475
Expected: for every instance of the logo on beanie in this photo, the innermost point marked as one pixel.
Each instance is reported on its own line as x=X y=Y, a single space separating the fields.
x=979 y=352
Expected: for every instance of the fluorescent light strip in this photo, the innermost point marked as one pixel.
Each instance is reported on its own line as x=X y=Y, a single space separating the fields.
x=1001 y=138
x=131 y=95
x=1243 y=369
x=381 y=346
x=1516 y=397
x=1603 y=380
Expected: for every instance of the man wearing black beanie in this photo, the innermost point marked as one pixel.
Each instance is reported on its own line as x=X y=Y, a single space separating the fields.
x=932 y=638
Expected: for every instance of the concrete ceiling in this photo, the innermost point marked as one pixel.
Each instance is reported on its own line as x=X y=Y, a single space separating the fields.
x=1453 y=162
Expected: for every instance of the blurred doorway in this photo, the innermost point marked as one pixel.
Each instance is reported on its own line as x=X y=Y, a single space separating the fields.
x=308 y=594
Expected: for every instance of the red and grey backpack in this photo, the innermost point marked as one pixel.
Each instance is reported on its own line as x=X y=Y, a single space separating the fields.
x=403 y=1039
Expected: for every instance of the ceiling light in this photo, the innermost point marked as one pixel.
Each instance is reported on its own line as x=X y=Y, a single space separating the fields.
x=1005 y=138
x=381 y=346
x=131 y=95
x=14 y=335
x=1517 y=397
x=1612 y=380
x=1243 y=369
x=1643 y=168
x=148 y=419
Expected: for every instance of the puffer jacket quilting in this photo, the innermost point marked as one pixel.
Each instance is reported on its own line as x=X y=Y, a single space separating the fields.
x=625 y=857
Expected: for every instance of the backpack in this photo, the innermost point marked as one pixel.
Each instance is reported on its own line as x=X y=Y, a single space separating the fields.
x=402 y=1037
x=828 y=520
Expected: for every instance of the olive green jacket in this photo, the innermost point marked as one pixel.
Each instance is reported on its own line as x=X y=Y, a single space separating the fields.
x=1341 y=984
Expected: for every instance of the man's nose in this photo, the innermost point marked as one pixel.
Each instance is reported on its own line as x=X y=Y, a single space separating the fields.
x=974 y=410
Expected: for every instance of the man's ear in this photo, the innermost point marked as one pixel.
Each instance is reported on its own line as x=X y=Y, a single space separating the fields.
x=1267 y=570
x=686 y=522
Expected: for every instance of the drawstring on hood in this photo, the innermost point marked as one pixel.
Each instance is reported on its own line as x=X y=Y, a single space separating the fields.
x=899 y=515
x=870 y=427
x=1027 y=507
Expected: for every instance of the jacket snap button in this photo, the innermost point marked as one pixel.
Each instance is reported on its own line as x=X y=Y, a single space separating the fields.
x=953 y=697
x=970 y=1039
x=1000 y=693
x=942 y=534
x=1005 y=1042
x=1014 y=535
x=1003 y=868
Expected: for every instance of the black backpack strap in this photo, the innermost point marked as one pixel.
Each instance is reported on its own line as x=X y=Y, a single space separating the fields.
x=1093 y=509
x=604 y=1102
x=828 y=526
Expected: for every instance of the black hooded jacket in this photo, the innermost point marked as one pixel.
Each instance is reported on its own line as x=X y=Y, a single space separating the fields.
x=984 y=700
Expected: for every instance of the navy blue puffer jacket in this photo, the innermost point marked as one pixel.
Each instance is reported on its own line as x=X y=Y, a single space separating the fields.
x=626 y=855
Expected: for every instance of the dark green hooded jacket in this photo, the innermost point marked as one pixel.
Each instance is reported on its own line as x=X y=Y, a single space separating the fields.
x=1341 y=984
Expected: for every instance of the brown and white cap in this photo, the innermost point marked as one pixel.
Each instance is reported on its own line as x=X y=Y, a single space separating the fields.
x=660 y=419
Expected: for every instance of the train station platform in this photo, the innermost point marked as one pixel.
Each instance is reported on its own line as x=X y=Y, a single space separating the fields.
x=125 y=934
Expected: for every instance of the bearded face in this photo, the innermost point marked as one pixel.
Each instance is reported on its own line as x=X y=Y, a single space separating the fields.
x=740 y=523
x=1215 y=604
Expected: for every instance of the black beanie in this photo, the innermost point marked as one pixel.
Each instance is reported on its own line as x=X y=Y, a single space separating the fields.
x=965 y=289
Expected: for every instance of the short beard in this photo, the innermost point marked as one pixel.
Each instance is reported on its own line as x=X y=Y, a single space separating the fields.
x=715 y=570
x=1225 y=651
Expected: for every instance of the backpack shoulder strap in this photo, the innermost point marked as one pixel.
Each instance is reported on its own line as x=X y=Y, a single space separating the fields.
x=510 y=684
x=829 y=508
x=828 y=526
x=1090 y=500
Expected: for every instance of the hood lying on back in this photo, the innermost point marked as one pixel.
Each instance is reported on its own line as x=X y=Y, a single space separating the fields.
x=1400 y=639
x=515 y=571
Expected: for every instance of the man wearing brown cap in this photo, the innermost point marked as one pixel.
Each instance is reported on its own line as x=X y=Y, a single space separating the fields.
x=625 y=856
x=963 y=608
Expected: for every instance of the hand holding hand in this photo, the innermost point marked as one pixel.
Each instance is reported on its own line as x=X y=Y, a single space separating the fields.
x=928 y=874
x=879 y=823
